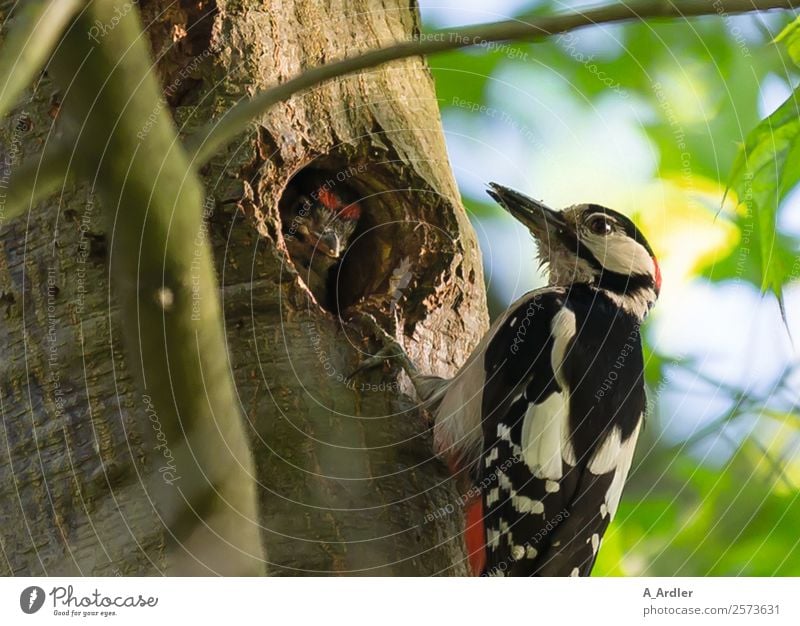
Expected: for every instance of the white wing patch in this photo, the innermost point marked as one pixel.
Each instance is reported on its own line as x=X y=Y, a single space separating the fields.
x=542 y=437
x=563 y=331
x=606 y=457
x=614 y=492
x=545 y=428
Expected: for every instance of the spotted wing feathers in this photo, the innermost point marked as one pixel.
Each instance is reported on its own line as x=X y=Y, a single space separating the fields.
x=549 y=495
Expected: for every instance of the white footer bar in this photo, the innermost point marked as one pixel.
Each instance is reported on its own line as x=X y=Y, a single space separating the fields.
x=401 y=601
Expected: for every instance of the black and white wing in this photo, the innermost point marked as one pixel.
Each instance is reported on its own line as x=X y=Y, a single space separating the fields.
x=555 y=454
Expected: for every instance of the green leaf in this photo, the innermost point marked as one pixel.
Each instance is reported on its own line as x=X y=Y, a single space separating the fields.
x=32 y=37
x=790 y=37
x=766 y=169
x=744 y=262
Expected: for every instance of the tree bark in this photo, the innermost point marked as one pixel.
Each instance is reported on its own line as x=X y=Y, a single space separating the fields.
x=344 y=470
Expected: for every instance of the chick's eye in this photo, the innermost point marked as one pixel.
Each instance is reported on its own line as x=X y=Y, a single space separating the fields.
x=600 y=225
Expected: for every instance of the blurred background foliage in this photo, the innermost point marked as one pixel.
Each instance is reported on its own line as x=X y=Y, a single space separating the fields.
x=651 y=119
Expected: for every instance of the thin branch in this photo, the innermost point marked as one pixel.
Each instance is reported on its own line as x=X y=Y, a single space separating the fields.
x=203 y=145
x=736 y=393
x=775 y=465
x=31 y=39
x=716 y=426
x=744 y=404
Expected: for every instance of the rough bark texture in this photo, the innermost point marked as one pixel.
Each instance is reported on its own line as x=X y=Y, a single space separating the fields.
x=345 y=473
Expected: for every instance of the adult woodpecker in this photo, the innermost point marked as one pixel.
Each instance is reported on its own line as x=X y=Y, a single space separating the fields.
x=545 y=413
x=317 y=234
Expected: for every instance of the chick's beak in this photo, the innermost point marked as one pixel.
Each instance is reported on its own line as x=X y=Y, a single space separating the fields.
x=330 y=244
x=544 y=223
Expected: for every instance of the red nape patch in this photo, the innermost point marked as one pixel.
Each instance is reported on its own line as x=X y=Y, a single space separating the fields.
x=351 y=211
x=474 y=536
x=329 y=199
x=334 y=203
x=658 y=274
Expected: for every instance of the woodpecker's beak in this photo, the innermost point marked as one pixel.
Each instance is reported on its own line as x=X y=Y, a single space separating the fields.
x=329 y=244
x=544 y=223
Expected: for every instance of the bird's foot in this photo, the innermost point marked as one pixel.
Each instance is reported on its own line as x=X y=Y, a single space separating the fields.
x=390 y=347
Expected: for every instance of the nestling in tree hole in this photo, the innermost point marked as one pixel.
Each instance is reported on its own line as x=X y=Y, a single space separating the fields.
x=352 y=236
x=319 y=217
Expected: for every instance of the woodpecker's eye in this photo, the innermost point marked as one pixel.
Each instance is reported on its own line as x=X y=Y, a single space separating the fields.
x=600 y=225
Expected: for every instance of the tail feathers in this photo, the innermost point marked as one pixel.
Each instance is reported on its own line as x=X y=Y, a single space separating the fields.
x=432 y=390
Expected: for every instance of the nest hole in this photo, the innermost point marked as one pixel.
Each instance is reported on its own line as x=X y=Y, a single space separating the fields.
x=352 y=239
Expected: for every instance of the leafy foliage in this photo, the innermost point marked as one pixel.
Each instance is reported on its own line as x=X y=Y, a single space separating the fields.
x=767 y=168
x=790 y=38
x=706 y=522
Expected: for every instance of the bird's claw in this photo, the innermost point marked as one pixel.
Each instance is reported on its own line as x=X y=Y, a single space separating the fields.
x=391 y=347
x=375 y=360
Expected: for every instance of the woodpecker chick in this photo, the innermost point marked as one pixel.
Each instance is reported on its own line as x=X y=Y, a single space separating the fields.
x=546 y=411
x=317 y=236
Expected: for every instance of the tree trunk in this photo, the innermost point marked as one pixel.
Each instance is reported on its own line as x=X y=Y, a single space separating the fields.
x=344 y=469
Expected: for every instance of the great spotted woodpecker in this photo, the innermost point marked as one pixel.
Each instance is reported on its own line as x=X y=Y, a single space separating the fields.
x=317 y=234
x=545 y=413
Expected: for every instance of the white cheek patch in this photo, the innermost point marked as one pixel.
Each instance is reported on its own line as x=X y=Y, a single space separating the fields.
x=619 y=253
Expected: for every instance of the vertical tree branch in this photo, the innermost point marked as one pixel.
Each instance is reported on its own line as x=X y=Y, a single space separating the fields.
x=163 y=277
